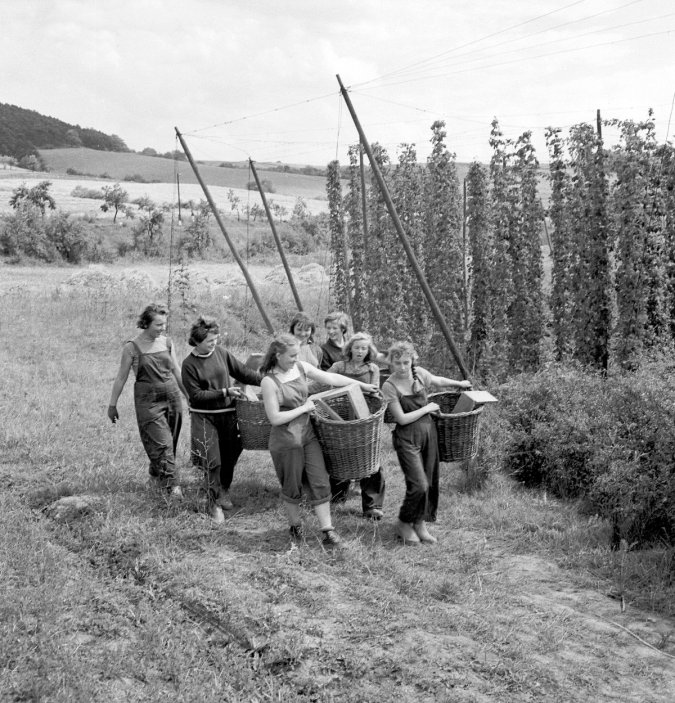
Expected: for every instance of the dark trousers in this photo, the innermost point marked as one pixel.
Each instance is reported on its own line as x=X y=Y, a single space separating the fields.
x=159 y=414
x=216 y=447
x=417 y=450
x=372 y=490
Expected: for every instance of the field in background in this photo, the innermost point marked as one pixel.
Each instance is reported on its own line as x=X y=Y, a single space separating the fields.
x=139 y=600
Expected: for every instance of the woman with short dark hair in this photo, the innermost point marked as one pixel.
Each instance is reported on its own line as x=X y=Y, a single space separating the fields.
x=215 y=442
x=157 y=390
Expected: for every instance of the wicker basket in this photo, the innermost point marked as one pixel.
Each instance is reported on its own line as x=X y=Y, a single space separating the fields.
x=351 y=448
x=457 y=433
x=254 y=427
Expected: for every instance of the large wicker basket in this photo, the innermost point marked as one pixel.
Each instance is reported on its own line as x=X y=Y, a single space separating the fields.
x=254 y=427
x=458 y=432
x=351 y=448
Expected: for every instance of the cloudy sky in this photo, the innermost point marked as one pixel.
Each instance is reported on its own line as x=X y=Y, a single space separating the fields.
x=256 y=78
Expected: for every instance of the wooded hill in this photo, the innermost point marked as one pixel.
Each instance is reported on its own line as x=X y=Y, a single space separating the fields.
x=23 y=132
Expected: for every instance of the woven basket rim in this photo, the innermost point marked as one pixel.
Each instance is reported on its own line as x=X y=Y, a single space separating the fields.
x=340 y=423
x=475 y=411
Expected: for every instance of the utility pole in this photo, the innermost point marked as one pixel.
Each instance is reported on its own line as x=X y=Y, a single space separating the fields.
x=230 y=243
x=435 y=309
x=280 y=248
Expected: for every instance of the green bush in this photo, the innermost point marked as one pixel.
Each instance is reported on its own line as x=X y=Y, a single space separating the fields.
x=608 y=441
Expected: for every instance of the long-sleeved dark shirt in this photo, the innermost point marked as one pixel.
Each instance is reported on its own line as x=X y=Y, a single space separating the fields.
x=204 y=378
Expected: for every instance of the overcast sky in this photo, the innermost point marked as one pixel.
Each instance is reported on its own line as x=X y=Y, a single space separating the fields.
x=256 y=78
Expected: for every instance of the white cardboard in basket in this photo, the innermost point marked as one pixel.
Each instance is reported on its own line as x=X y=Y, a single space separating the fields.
x=469 y=399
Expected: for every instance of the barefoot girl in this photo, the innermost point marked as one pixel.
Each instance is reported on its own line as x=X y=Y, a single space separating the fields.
x=295 y=450
x=357 y=363
x=157 y=390
x=414 y=439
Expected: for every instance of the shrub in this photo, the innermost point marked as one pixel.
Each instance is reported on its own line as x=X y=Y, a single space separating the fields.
x=610 y=442
x=91 y=193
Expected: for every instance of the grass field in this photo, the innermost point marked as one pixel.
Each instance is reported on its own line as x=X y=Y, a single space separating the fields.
x=141 y=600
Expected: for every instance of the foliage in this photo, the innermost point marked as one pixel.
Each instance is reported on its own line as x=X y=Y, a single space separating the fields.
x=443 y=237
x=23 y=131
x=266 y=185
x=38 y=196
x=148 y=235
x=115 y=197
x=526 y=315
x=638 y=208
x=27 y=234
x=339 y=268
x=606 y=441
x=197 y=240
x=91 y=193
x=482 y=252
x=358 y=239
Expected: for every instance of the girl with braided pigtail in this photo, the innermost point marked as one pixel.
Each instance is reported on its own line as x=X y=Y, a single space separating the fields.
x=414 y=439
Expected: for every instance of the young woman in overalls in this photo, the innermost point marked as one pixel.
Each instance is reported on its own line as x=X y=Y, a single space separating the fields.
x=294 y=447
x=414 y=439
x=157 y=390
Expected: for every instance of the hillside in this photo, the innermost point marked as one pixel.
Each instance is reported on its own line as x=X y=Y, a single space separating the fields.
x=23 y=132
x=119 y=166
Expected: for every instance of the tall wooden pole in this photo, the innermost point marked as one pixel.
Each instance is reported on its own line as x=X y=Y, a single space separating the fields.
x=230 y=243
x=440 y=320
x=280 y=248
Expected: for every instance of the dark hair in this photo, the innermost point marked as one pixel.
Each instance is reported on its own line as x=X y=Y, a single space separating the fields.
x=149 y=314
x=300 y=318
x=201 y=329
x=360 y=337
x=278 y=346
x=339 y=317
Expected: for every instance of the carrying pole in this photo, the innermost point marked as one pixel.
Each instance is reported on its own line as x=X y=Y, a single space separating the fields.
x=270 y=219
x=230 y=243
x=438 y=315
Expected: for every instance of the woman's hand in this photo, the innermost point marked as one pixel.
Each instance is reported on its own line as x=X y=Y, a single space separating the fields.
x=233 y=392
x=433 y=408
x=309 y=406
x=369 y=388
x=113 y=415
x=466 y=385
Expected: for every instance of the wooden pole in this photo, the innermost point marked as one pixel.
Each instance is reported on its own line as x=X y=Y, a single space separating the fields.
x=280 y=248
x=438 y=315
x=230 y=243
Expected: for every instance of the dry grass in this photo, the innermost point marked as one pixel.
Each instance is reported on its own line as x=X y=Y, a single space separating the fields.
x=140 y=600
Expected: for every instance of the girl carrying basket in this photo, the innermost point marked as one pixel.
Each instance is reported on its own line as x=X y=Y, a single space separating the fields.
x=294 y=447
x=414 y=439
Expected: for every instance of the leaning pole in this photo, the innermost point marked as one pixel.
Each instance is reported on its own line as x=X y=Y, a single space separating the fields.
x=435 y=309
x=277 y=240
x=230 y=243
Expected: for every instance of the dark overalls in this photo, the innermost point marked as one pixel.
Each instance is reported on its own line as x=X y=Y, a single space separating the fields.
x=416 y=446
x=372 y=487
x=159 y=412
x=295 y=450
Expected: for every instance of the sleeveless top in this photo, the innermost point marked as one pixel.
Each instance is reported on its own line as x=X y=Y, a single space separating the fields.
x=155 y=369
x=291 y=395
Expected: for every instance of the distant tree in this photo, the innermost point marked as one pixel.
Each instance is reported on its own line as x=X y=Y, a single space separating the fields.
x=38 y=196
x=234 y=200
x=148 y=234
x=31 y=162
x=145 y=203
x=149 y=151
x=115 y=197
x=197 y=238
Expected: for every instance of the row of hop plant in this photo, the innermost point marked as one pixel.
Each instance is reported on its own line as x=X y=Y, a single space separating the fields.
x=607 y=442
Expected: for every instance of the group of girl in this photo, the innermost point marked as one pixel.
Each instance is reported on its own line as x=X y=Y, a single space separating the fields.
x=291 y=368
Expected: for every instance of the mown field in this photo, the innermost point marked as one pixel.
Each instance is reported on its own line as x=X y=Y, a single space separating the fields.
x=140 y=600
